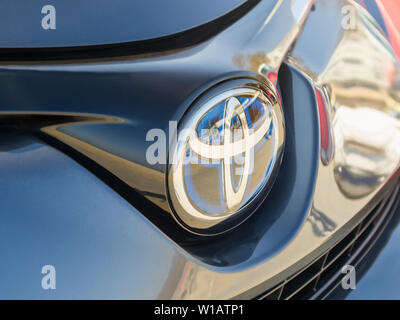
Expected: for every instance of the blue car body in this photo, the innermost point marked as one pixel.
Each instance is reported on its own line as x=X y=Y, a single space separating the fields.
x=77 y=193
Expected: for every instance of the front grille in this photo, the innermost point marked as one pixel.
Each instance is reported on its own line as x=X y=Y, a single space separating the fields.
x=318 y=279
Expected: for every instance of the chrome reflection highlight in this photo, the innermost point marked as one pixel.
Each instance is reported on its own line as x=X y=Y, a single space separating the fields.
x=227 y=150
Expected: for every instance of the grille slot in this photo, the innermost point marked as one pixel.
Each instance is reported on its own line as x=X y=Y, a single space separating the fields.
x=319 y=278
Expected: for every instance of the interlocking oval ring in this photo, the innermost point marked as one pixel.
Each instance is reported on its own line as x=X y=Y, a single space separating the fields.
x=226 y=152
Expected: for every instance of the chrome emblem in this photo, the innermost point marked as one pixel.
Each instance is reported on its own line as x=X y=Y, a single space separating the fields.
x=228 y=147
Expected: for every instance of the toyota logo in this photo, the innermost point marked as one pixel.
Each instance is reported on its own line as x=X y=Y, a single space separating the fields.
x=228 y=146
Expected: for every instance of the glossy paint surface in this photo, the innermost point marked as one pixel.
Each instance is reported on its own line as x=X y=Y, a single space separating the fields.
x=334 y=168
x=98 y=244
x=390 y=11
x=99 y=22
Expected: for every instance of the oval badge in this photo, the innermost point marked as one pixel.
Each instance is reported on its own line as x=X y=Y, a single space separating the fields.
x=228 y=148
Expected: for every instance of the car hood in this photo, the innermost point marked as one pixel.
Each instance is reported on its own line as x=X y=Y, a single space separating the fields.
x=101 y=22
